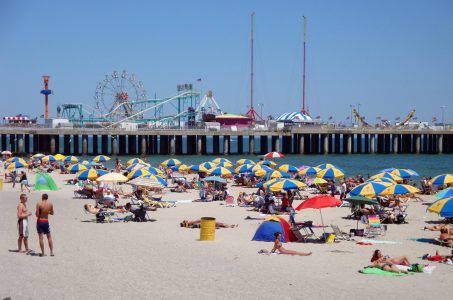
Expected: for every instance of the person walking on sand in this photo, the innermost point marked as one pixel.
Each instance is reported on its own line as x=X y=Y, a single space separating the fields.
x=22 y=224
x=23 y=182
x=43 y=209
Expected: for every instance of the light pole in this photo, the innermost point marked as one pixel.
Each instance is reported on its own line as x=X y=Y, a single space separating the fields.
x=261 y=105
x=443 y=107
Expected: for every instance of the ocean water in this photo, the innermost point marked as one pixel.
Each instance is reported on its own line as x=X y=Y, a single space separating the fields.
x=424 y=164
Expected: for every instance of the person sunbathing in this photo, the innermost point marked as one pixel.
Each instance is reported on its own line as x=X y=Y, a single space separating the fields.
x=378 y=258
x=96 y=210
x=439 y=258
x=278 y=246
x=439 y=227
x=446 y=237
x=197 y=224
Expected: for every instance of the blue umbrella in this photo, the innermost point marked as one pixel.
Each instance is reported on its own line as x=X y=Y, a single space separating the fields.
x=215 y=179
x=448 y=192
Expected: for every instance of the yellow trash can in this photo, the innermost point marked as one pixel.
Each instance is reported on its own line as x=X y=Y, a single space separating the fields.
x=1 y=185
x=207 y=229
x=330 y=238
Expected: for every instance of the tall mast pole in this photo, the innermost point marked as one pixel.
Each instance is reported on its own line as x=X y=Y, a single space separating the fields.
x=303 y=66
x=251 y=64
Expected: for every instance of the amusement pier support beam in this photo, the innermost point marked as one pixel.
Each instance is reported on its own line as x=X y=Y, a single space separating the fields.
x=395 y=144
x=301 y=144
x=326 y=144
x=372 y=144
x=84 y=144
x=349 y=143
x=240 y=144
x=199 y=145
x=251 y=145
x=440 y=144
x=226 y=144
x=20 y=144
x=52 y=145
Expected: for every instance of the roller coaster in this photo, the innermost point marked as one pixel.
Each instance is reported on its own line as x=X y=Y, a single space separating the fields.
x=364 y=124
x=121 y=98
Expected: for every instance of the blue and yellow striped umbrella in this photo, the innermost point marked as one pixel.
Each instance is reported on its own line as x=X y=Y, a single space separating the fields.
x=391 y=176
x=448 y=192
x=77 y=168
x=288 y=168
x=326 y=166
x=16 y=159
x=225 y=164
x=399 y=189
x=404 y=173
x=16 y=165
x=134 y=161
x=90 y=174
x=219 y=160
x=369 y=189
x=137 y=173
x=180 y=168
x=137 y=166
x=442 y=180
x=71 y=159
x=208 y=165
x=59 y=157
x=156 y=178
x=330 y=173
x=443 y=207
x=268 y=163
x=259 y=173
x=244 y=169
x=220 y=171
x=154 y=171
x=38 y=155
x=278 y=174
x=198 y=168
x=260 y=167
x=245 y=162
x=101 y=158
x=49 y=158
x=170 y=162
x=281 y=184
x=310 y=171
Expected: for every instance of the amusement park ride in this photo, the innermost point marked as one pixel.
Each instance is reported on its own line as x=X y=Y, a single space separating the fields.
x=121 y=98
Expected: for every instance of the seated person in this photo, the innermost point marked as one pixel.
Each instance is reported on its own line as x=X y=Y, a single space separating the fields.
x=197 y=224
x=278 y=246
x=139 y=211
x=445 y=236
x=100 y=212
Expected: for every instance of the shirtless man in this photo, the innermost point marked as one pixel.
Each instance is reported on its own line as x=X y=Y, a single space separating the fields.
x=43 y=210
x=22 y=224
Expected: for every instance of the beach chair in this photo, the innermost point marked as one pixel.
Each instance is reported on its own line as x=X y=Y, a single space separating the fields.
x=340 y=235
x=375 y=227
x=105 y=216
x=303 y=231
x=230 y=201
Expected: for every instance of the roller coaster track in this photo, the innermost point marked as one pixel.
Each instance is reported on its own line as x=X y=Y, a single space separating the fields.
x=361 y=119
x=409 y=116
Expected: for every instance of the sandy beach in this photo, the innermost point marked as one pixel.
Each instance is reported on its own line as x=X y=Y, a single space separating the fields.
x=161 y=260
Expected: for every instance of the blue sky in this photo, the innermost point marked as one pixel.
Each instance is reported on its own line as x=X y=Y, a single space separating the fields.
x=389 y=56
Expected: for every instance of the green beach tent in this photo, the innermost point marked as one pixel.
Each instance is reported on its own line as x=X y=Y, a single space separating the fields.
x=43 y=182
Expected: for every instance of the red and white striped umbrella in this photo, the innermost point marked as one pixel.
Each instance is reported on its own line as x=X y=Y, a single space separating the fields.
x=274 y=155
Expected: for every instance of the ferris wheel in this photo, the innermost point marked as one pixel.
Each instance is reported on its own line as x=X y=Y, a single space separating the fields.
x=120 y=96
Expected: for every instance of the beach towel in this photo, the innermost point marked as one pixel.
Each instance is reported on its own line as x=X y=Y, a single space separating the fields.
x=380 y=242
x=377 y=271
x=426 y=269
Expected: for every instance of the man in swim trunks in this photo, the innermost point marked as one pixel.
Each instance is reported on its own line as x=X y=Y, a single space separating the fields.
x=22 y=224
x=43 y=210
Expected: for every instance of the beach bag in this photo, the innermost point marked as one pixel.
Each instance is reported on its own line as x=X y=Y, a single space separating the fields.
x=416 y=268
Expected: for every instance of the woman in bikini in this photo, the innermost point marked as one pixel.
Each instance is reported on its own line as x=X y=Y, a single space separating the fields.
x=279 y=246
x=388 y=264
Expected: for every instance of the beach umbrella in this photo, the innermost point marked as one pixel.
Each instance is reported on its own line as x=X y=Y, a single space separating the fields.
x=38 y=155
x=310 y=171
x=171 y=162
x=219 y=160
x=134 y=161
x=243 y=169
x=154 y=171
x=399 y=189
x=318 y=181
x=59 y=157
x=16 y=159
x=359 y=200
x=369 y=189
x=259 y=167
x=180 y=168
x=16 y=165
x=448 y=192
x=215 y=179
x=101 y=158
x=137 y=166
x=77 y=168
x=404 y=173
x=90 y=174
x=319 y=202
x=330 y=173
x=145 y=182
x=156 y=178
x=388 y=175
x=49 y=158
x=71 y=159
x=274 y=155
x=288 y=168
x=137 y=173
x=220 y=171
x=6 y=152
x=198 y=168
x=268 y=163
x=112 y=177
x=245 y=162
x=278 y=174
x=442 y=180
x=208 y=165
x=85 y=162
x=326 y=166
x=259 y=173
x=443 y=207
x=382 y=179
x=282 y=184
x=225 y=164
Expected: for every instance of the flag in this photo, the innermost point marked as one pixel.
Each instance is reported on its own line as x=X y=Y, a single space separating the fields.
x=378 y=118
x=347 y=118
x=414 y=118
x=397 y=118
x=434 y=119
x=318 y=117
x=330 y=118
x=41 y=116
x=199 y=80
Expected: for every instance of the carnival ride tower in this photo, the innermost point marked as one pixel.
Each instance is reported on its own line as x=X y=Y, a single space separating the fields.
x=46 y=92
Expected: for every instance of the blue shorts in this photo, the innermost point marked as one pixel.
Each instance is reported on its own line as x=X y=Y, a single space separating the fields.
x=42 y=226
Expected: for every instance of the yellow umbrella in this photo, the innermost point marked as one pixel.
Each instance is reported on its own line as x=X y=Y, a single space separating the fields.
x=101 y=158
x=399 y=189
x=134 y=161
x=59 y=156
x=330 y=173
x=112 y=177
x=391 y=176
